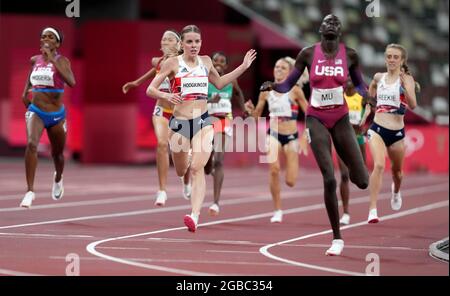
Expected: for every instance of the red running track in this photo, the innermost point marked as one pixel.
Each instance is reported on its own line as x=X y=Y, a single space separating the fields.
x=107 y=219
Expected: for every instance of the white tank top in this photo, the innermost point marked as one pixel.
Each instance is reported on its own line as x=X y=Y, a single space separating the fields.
x=388 y=94
x=192 y=83
x=279 y=105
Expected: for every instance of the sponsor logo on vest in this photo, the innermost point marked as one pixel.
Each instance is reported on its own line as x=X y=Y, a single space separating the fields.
x=329 y=71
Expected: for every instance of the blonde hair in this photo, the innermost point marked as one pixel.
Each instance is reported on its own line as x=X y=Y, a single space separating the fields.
x=290 y=61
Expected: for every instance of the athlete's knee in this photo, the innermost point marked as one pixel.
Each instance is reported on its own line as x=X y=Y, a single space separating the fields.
x=397 y=174
x=378 y=167
x=329 y=182
x=163 y=146
x=345 y=177
x=361 y=180
x=196 y=168
x=32 y=146
x=275 y=170
x=218 y=164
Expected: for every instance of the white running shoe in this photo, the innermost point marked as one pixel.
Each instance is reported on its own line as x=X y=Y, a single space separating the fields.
x=187 y=190
x=396 y=199
x=58 y=188
x=214 y=210
x=345 y=219
x=28 y=199
x=161 y=198
x=191 y=222
x=277 y=217
x=337 y=245
x=373 y=216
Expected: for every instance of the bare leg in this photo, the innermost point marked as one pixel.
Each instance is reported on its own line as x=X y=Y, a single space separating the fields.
x=274 y=166
x=218 y=173
x=161 y=126
x=201 y=150
x=348 y=150
x=57 y=137
x=378 y=151
x=396 y=154
x=180 y=152
x=35 y=127
x=321 y=147
x=291 y=153
x=344 y=185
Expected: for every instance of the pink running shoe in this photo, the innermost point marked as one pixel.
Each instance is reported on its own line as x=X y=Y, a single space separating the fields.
x=190 y=222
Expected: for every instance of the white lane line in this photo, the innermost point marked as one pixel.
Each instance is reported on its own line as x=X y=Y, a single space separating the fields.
x=124 y=248
x=17 y=273
x=102 y=201
x=9 y=187
x=91 y=248
x=190 y=241
x=188 y=261
x=147 y=191
x=263 y=198
x=236 y=252
x=258 y=198
x=140 y=197
x=265 y=252
x=40 y=235
x=356 y=247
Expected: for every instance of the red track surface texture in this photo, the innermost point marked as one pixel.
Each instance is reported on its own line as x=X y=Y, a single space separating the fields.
x=108 y=221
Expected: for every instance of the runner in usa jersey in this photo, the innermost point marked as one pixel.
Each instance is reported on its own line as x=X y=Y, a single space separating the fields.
x=329 y=62
x=394 y=91
x=49 y=72
x=190 y=126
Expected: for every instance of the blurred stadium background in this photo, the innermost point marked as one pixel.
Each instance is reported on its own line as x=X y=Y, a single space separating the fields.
x=112 y=42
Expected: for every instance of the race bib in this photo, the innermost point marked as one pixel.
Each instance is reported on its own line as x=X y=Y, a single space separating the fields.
x=327 y=97
x=158 y=111
x=388 y=97
x=194 y=85
x=42 y=76
x=221 y=107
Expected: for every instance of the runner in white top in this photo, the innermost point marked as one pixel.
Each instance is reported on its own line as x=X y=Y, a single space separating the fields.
x=395 y=91
x=190 y=126
x=283 y=132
